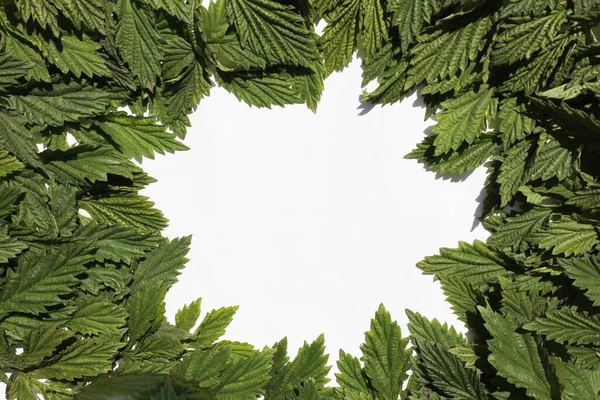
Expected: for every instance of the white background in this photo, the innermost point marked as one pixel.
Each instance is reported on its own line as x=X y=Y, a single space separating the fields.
x=308 y=222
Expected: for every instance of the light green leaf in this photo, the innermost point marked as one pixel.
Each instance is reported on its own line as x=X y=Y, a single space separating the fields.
x=473 y=263
x=566 y=236
x=78 y=57
x=351 y=375
x=117 y=243
x=551 y=160
x=94 y=316
x=42 y=278
x=177 y=8
x=463 y=119
x=131 y=210
x=41 y=343
x=433 y=331
x=15 y=138
x=568 y=325
x=374 y=27
x=516 y=356
x=13 y=68
x=39 y=71
x=162 y=264
x=385 y=355
x=213 y=325
x=581 y=384
x=86 y=358
x=187 y=316
x=146 y=311
x=516 y=231
x=410 y=16
x=205 y=366
x=10 y=248
x=514 y=171
x=138 y=42
x=585 y=272
x=514 y=125
x=245 y=377
x=522 y=38
x=587 y=199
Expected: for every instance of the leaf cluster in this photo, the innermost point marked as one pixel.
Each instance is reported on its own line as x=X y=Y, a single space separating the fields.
x=88 y=87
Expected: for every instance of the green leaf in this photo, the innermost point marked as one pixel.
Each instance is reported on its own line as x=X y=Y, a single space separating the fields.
x=13 y=68
x=41 y=11
x=87 y=358
x=120 y=387
x=410 y=16
x=581 y=384
x=131 y=210
x=138 y=42
x=568 y=325
x=259 y=90
x=15 y=138
x=78 y=57
x=89 y=14
x=448 y=374
x=339 y=38
x=374 y=27
x=587 y=199
x=10 y=248
x=551 y=160
x=138 y=137
x=274 y=31
x=534 y=75
x=42 y=342
x=205 y=366
x=41 y=278
x=310 y=86
x=583 y=7
x=433 y=331
x=385 y=355
x=524 y=37
x=351 y=375
x=514 y=171
x=213 y=325
x=473 y=263
x=82 y=163
x=516 y=231
x=117 y=243
x=522 y=7
x=566 y=236
x=516 y=356
x=585 y=273
x=443 y=53
x=146 y=311
x=61 y=103
x=187 y=317
x=465 y=160
x=463 y=119
x=162 y=264
x=177 y=8
x=514 y=125
x=94 y=316
x=39 y=71
x=309 y=364
x=244 y=378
